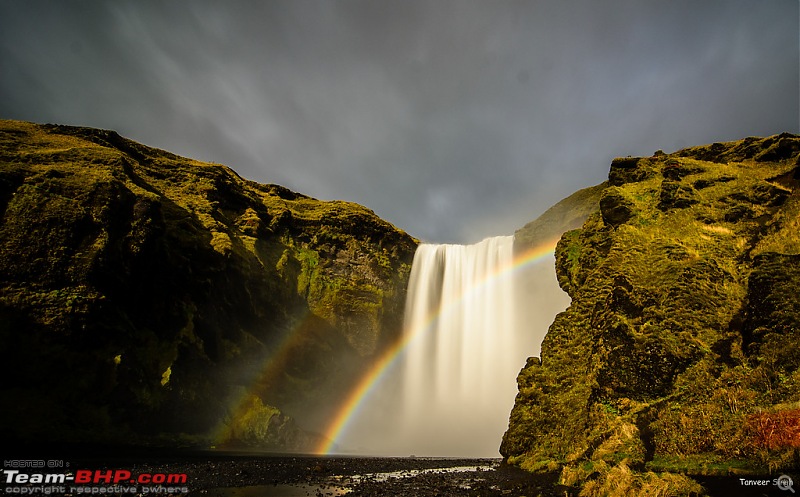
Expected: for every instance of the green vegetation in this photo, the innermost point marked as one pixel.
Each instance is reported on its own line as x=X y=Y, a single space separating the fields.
x=144 y=287
x=259 y=425
x=679 y=351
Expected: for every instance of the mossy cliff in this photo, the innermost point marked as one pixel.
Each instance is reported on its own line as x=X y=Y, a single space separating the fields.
x=148 y=296
x=680 y=350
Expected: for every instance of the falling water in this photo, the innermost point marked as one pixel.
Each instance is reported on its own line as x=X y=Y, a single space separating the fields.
x=470 y=323
x=462 y=359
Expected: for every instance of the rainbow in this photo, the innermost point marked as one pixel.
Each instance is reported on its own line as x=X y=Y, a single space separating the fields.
x=384 y=363
x=273 y=367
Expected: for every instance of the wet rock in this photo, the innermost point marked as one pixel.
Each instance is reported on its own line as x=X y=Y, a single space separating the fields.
x=623 y=299
x=771 y=312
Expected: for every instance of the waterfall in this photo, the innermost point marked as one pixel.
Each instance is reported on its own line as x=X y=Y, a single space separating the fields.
x=472 y=317
x=464 y=353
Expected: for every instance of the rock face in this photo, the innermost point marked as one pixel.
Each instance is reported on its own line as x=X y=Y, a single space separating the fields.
x=149 y=297
x=680 y=350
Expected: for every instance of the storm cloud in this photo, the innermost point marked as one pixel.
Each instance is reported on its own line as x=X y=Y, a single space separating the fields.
x=453 y=119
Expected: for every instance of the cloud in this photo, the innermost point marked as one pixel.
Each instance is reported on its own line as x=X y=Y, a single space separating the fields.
x=454 y=120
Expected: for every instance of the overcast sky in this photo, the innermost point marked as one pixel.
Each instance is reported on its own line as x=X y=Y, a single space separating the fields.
x=454 y=120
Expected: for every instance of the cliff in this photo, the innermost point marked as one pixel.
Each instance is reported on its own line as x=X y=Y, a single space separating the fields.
x=150 y=298
x=680 y=349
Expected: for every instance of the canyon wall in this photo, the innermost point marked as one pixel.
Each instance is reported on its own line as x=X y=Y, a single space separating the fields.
x=680 y=349
x=149 y=298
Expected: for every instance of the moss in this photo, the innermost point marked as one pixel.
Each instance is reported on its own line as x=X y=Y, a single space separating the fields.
x=682 y=326
x=308 y=276
x=221 y=242
x=165 y=376
x=261 y=426
x=568 y=256
x=620 y=481
x=185 y=271
x=703 y=464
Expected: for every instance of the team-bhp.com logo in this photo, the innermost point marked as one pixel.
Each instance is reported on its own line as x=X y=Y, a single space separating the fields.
x=97 y=482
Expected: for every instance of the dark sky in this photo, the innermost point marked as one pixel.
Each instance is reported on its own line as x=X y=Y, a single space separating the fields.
x=454 y=120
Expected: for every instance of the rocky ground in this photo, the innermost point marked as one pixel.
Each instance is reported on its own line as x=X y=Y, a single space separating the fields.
x=358 y=476
x=245 y=475
x=227 y=474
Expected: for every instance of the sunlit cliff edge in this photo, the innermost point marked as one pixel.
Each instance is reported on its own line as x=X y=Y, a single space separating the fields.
x=147 y=298
x=680 y=351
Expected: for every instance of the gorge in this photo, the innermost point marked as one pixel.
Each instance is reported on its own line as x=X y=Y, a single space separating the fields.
x=152 y=300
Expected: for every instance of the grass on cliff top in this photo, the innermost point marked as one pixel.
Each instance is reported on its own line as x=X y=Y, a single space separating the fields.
x=233 y=209
x=698 y=238
x=705 y=250
x=185 y=181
